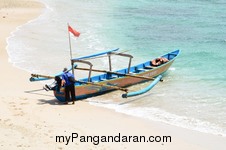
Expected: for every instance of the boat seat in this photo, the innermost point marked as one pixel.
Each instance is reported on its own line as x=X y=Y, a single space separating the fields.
x=132 y=73
x=150 y=67
x=103 y=79
x=95 y=79
x=112 y=77
x=141 y=70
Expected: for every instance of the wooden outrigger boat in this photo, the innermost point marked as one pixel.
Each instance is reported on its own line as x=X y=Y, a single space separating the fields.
x=113 y=80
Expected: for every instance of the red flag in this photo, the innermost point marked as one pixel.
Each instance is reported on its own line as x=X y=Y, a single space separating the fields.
x=73 y=31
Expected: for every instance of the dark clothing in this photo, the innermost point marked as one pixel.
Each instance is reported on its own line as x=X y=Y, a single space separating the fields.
x=66 y=76
x=69 y=87
x=58 y=83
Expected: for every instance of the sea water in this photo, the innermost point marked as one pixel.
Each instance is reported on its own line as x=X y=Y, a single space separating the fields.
x=193 y=93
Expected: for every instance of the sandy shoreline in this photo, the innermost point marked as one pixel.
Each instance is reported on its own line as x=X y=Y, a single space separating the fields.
x=31 y=119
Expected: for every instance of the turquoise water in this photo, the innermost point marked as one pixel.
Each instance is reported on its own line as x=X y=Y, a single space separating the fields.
x=193 y=92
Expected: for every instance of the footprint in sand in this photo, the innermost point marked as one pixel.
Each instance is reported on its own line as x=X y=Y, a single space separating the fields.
x=19 y=114
x=10 y=124
x=19 y=145
x=12 y=104
x=24 y=103
x=24 y=146
x=16 y=110
x=23 y=98
x=7 y=120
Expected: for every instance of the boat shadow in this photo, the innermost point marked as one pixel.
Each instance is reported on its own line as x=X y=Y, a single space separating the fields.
x=52 y=101
x=37 y=92
x=49 y=102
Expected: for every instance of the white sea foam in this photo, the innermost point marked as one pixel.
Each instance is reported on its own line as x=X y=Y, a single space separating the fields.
x=12 y=47
x=157 y=114
x=172 y=69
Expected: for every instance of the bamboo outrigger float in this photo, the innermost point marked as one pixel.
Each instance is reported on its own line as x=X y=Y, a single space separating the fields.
x=113 y=80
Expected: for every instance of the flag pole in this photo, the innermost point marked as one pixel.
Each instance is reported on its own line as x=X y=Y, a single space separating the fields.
x=76 y=34
x=69 y=38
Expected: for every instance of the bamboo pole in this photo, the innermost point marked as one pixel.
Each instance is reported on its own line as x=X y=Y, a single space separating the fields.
x=44 y=76
x=117 y=73
x=105 y=85
x=91 y=83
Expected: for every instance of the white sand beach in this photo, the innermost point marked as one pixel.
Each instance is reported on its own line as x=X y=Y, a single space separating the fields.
x=31 y=118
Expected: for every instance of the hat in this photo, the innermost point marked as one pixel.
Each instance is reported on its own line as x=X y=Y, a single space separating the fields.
x=65 y=70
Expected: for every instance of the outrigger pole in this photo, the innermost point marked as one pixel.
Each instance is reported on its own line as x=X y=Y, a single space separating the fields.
x=148 y=88
x=91 y=83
